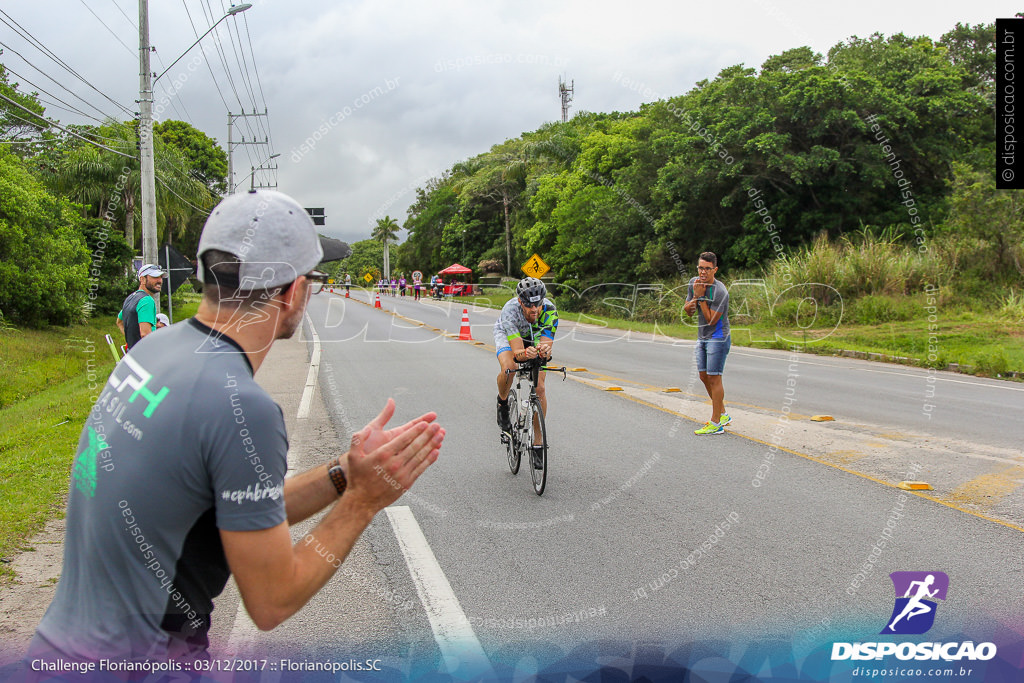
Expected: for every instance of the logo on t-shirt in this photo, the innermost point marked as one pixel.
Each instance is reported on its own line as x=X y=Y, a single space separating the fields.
x=138 y=379
x=84 y=472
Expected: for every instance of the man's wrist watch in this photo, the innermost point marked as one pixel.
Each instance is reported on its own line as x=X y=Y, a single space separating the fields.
x=337 y=476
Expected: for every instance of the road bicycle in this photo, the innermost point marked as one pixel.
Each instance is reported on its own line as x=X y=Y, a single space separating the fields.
x=527 y=419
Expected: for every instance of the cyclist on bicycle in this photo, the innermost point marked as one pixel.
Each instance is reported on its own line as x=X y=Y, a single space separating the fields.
x=525 y=329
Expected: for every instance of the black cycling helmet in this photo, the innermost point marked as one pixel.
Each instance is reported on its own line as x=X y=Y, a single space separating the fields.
x=531 y=291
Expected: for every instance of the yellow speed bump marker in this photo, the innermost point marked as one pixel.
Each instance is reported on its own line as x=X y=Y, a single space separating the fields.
x=915 y=486
x=822 y=418
x=613 y=388
x=671 y=390
x=577 y=369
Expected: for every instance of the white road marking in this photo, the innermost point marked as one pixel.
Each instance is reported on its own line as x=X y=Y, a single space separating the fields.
x=452 y=631
x=314 y=370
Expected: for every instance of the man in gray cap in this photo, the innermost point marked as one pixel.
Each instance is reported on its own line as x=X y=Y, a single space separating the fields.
x=179 y=479
x=138 y=312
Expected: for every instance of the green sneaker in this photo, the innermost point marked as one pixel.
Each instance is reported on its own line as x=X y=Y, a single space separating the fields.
x=709 y=428
x=724 y=419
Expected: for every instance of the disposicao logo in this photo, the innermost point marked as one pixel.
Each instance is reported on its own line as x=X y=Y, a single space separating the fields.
x=913 y=614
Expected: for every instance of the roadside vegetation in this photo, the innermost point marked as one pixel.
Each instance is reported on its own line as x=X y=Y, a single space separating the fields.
x=48 y=381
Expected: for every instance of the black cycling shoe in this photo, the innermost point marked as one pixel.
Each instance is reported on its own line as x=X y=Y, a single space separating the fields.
x=503 y=422
x=537 y=453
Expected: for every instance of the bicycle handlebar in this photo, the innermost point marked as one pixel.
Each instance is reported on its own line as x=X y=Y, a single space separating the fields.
x=527 y=366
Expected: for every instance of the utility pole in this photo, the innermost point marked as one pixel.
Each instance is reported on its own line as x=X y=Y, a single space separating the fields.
x=232 y=144
x=147 y=166
x=146 y=154
x=565 y=94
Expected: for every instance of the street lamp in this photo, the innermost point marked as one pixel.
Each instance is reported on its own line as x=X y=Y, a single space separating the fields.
x=261 y=167
x=146 y=155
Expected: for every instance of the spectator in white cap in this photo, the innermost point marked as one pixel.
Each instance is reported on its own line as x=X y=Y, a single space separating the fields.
x=138 y=312
x=161 y=515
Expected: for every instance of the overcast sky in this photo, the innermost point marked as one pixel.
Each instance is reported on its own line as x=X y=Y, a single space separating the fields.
x=400 y=91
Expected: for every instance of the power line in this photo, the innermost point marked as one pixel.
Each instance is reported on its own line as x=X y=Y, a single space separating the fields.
x=74 y=94
x=67 y=106
x=116 y=37
x=252 y=52
x=206 y=60
x=35 y=42
x=187 y=202
x=227 y=70
x=125 y=15
x=170 y=95
x=58 y=126
x=264 y=127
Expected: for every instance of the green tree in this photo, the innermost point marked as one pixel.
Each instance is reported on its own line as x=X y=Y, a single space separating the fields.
x=435 y=206
x=205 y=158
x=110 y=268
x=498 y=177
x=973 y=48
x=109 y=181
x=367 y=257
x=996 y=217
x=43 y=257
x=16 y=124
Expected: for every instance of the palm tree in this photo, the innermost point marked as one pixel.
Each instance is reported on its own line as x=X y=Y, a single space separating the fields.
x=110 y=181
x=386 y=230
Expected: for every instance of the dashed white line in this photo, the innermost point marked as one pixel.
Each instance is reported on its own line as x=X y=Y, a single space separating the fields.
x=455 y=637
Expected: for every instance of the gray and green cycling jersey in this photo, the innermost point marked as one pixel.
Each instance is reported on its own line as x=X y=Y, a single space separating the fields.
x=512 y=324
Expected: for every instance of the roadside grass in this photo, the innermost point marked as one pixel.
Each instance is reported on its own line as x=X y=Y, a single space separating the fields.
x=48 y=382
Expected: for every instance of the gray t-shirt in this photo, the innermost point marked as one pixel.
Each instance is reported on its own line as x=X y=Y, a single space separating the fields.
x=182 y=442
x=719 y=302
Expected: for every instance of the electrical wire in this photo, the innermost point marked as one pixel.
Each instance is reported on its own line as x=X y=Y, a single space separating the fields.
x=188 y=203
x=58 y=126
x=69 y=107
x=74 y=94
x=35 y=42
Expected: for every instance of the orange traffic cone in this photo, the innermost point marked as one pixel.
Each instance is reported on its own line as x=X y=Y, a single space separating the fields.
x=346 y=295
x=376 y=300
x=464 y=333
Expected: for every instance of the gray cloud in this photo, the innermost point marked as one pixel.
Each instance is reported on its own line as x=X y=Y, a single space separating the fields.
x=468 y=75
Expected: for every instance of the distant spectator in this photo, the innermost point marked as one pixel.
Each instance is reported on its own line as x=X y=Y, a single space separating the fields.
x=138 y=312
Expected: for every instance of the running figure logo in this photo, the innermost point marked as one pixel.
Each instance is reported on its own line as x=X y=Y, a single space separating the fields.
x=914 y=611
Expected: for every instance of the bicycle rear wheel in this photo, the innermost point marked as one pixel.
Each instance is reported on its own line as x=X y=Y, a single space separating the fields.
x=512 y=439
x=539 y=474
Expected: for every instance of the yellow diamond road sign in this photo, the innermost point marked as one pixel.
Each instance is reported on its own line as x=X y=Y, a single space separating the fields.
x=368 y=277
x=535 y=267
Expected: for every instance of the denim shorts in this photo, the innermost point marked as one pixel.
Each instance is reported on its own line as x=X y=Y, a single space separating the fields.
x=711 y=353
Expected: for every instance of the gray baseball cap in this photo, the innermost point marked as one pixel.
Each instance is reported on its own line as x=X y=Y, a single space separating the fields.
x=271 y=235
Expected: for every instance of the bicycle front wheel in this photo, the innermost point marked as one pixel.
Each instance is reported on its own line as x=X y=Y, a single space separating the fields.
x=540 y=474
x=512 y=442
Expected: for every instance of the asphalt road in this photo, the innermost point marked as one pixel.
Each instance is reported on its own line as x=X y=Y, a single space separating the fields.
x=647 y=536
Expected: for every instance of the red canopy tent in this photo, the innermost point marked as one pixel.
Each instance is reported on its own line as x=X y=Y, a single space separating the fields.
x=455 y=269
x=456 y=289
